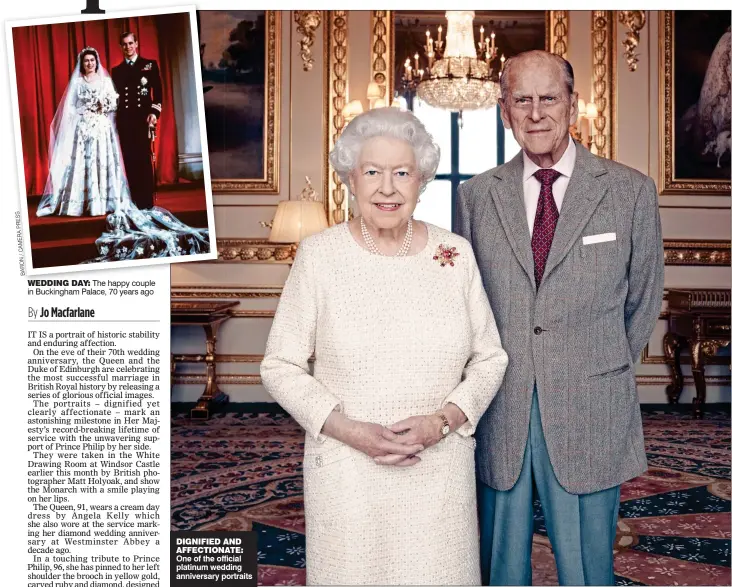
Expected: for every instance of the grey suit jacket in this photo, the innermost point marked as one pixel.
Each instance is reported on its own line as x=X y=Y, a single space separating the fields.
x=580 y=334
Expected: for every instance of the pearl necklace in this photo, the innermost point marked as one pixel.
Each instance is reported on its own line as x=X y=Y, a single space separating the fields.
x=371 y=245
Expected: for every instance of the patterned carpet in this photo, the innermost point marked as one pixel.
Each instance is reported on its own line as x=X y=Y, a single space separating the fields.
x=243 y=472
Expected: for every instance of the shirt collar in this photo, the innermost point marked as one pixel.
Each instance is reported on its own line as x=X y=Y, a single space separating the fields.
x=133 y=59
x=565 y=165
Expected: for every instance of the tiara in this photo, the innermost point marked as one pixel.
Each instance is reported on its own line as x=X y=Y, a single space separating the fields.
x=88 y=49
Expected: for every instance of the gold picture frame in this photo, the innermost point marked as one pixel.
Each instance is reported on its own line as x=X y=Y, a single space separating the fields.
x=335 y=48
x=269 y=181
x=670 y=183
x=604 y=78
x=557 y=32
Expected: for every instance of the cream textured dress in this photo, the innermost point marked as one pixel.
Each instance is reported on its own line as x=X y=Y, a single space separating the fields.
x=392 y=338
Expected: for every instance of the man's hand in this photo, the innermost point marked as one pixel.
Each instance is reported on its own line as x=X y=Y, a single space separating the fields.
x=152 y=120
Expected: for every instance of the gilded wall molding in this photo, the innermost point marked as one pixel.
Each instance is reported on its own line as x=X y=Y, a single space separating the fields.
x=218 y=359
x=558 y=32
x=603 y=81
x=222 y=358
x=254 y=250
x=693 y=252
x=223 y=291
x=336 y=50
x=252 y=313
x=308 y=22
x=382 y=45
x=634 y=20
x=232 y=379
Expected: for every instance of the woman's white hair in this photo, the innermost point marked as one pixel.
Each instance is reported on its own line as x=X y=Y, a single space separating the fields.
x=386 y=122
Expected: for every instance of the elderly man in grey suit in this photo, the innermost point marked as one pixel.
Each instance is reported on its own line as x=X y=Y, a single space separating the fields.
x=570 y=250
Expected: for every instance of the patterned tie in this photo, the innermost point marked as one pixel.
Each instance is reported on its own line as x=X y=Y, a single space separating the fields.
x=545 y=222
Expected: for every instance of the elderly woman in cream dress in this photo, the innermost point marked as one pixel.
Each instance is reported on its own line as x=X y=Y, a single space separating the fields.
x=407 y=359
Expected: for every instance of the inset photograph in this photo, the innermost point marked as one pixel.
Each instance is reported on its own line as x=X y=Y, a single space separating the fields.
x=111 y=140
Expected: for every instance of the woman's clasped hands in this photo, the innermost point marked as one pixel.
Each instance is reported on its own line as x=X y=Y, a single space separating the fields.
x=397 y=444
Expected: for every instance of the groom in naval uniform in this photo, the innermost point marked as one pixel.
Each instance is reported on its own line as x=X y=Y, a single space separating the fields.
x=138 y=84
x=570 y=250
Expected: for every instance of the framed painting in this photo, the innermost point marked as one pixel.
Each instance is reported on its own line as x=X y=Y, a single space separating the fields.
x=240 y=67
x=695 y=102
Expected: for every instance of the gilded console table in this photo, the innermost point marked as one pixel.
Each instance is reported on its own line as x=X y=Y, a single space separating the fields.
x=210 y=316
x=700 y=319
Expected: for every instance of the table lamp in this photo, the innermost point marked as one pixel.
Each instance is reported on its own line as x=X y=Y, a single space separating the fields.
x=296 y=219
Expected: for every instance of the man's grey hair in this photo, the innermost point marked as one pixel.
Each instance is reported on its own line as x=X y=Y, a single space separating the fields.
x=566 y=67
x=386 y=122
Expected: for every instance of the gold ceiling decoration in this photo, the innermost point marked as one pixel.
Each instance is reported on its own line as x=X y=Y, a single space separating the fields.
x=635 y=20
x=308 y=22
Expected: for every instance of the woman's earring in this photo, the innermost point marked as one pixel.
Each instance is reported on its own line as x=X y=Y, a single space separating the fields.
x=353 y=197
x=419 y=200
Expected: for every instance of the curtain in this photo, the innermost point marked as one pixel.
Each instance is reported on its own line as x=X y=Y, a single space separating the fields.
x=45 y=56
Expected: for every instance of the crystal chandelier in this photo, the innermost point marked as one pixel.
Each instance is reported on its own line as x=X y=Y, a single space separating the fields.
x=463 y=77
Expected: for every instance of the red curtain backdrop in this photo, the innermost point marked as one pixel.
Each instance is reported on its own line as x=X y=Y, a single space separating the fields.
x=45 y=56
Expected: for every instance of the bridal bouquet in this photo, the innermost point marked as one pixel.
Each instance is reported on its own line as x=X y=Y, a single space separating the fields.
x=93 y=103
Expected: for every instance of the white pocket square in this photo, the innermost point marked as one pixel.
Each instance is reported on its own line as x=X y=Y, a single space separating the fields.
x=598 y=238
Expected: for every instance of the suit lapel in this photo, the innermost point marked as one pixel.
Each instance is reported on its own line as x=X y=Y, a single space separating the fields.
x=586 y=188
x=508 y=197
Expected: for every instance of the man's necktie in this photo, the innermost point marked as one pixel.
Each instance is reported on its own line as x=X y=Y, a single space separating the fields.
x=130 y=63
x=545 y=222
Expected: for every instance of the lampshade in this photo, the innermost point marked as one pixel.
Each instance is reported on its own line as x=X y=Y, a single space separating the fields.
x=296 y=219
x=399 y=102
x=374 y=91
x=591 y=110
x=581 y=107
x=352 y=109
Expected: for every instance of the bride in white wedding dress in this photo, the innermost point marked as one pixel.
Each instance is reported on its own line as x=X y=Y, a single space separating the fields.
x=87 y=176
